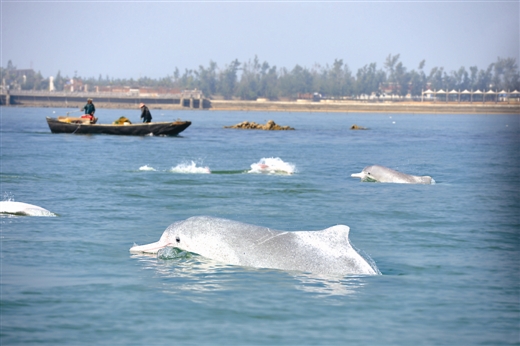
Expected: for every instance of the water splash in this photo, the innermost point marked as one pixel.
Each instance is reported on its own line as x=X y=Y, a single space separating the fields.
x=8 y=197
x=190 y=168
x=169 y=253
x=273 y=165
x=146 y=168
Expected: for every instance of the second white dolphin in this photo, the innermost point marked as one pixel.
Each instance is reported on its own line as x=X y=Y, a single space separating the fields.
x=322 y=252
x=386 y=175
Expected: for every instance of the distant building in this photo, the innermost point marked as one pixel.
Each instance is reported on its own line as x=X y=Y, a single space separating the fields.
x=137 y=91
x=310 y=96
x=22 y=73
x=74 y=85
x=51 y=84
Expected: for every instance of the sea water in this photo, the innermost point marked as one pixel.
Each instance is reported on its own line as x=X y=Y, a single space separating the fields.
x=449 y=253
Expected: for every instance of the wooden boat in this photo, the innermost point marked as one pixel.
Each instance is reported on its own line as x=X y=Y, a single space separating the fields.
x=84 y=126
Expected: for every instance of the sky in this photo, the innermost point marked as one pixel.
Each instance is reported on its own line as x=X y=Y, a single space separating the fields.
x=134 y=39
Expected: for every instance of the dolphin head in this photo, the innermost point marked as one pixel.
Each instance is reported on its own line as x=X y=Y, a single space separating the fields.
x=175 y=236
x=199 y=234
x=369 y=173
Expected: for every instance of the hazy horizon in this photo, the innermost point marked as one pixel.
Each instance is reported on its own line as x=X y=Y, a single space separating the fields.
x=123 y=39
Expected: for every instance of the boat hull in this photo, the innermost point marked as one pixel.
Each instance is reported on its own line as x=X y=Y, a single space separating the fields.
x=141 y=129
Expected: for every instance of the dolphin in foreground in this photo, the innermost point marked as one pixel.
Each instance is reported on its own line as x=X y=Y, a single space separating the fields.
x=386 y=175
x=322 y=252
x=24 y=209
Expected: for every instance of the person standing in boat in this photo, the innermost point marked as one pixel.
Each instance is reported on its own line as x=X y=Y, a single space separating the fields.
x=89 y=109
x=145 y=113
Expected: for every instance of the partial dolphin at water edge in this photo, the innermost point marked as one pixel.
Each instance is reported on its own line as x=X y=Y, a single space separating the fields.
x=322 y=252
x=23 y=209
x=386 y=175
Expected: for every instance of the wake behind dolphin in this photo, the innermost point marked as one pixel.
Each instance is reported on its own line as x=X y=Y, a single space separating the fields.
x=23 y=209
x=322 y=252
x=386 y=175
x=271 y=165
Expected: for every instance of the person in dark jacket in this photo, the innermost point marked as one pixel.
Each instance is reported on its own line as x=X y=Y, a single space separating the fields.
x=89 y=109
x=145 y=113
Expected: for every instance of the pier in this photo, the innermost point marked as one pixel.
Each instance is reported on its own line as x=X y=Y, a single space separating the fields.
x=187 y=99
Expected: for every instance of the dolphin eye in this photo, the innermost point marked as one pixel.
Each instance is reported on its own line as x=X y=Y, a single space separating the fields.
x=368 y=173
x=178 y=239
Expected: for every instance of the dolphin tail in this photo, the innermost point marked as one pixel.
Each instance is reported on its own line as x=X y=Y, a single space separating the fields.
x=149 y=248
x=427 y=180
x=424 y=179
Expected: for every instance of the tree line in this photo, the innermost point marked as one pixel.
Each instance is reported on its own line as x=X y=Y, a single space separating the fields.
x=253 y=79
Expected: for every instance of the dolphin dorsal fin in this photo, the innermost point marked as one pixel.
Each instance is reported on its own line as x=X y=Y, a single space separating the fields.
x=333 y=239
x=338 y=233
x=338 y=230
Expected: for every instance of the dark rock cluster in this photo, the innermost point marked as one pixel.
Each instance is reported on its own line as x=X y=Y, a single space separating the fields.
x=270 y=126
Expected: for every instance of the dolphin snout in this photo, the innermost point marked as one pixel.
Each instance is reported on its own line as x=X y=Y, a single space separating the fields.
x=149 y=248
x=357 y=175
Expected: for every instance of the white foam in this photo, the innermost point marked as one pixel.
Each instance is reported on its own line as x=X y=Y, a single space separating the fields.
x=190 y=168
x=146 y=168
x=272 y=165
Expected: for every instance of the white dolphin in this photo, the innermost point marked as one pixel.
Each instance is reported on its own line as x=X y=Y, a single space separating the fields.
x=386 y=175
x=322 y=252
x=19 y=208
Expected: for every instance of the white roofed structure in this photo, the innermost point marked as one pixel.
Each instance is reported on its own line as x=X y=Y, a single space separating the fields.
x=507 y=94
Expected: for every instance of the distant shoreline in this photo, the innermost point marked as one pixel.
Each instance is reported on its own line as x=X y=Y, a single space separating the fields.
x=310 y=107
x=369 y=107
